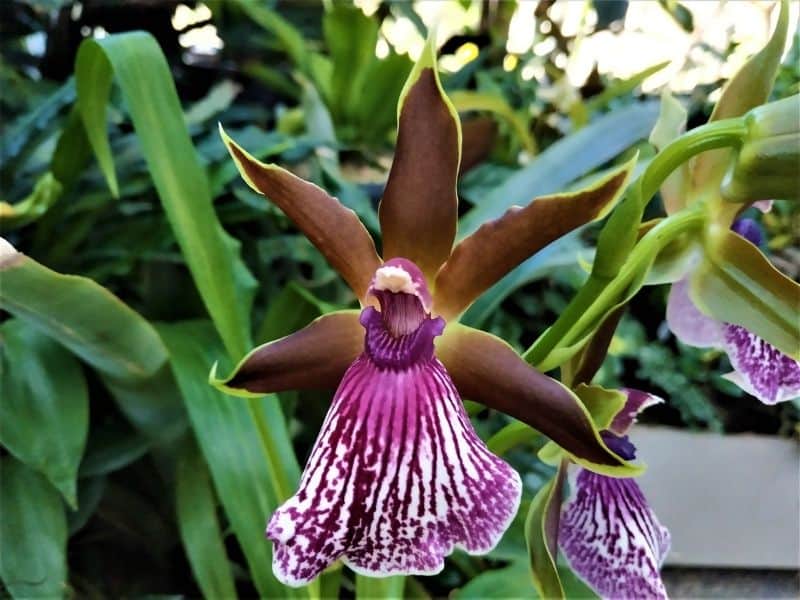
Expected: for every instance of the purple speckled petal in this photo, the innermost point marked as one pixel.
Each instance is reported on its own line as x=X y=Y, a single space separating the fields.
x=397 y=477
x=761 y=369
x=636 y=402
x=687 y=323
x=612 y=539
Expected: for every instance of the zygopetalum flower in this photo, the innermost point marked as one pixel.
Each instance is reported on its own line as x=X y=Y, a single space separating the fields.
x=605 y=528
x=397 y=477
x=608 y=533
x=760 y=369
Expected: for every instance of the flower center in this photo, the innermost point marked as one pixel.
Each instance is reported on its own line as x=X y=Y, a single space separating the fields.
x=402 y=333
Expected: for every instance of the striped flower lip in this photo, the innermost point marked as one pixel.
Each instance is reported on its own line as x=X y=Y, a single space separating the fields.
x=397 y=477
x=607 y=531
x=760 y=369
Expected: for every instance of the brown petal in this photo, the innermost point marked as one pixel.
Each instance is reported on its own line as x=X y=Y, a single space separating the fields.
x=334 y=229
x=314 y=357
x=498 y=246
x=419 y=208
x=487 y=370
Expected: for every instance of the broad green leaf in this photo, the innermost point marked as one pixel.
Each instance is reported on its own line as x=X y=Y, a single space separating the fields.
x=245 y=445
x=564 y=161
x=199 y=527
x=737 y=284
x=541 y=534
x=384 y=588
x=45 y=407
x=467 y=100
x=509 y=582
x=141 y=71
x=80 y=314
x=33 y=534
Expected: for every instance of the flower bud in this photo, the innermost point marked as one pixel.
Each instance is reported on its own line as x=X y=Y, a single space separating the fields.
x=767 y=165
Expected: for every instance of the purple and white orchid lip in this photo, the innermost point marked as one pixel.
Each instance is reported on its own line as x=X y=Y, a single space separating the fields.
x=612 y=539
x=607 y=531
x=760 y=369
x=397 y=477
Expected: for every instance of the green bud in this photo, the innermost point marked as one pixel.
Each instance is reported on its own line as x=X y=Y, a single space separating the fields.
x=767 y=164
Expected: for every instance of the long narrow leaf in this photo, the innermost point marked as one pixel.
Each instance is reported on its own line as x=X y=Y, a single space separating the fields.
x=245 y=446
x=199 y=527
x=144 y=78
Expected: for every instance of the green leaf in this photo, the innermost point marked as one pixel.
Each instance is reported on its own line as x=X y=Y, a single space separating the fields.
x=564 y=161
x=199 y=528
x=622 y=87
x=737 y=284
x=290 y=310
x=351 y=37
x=541 y=534
x=289 y=38
x=45 y=407
x=511 y=435
x=182 y=185
x=245 y=445
x=80 y=314
x=467 y=100
x=111 y=448
x=512 y=581
x=384 y=588
x=33 y=534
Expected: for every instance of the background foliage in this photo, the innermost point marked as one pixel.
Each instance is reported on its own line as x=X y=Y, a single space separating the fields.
x=147 y=259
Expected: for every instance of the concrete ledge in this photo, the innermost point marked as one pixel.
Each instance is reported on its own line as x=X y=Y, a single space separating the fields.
x=729 y=501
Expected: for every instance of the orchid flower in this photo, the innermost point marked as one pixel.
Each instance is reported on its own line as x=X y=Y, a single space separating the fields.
x=398 y=477
x=605 y=529
x=760 y=369
x=607 y=532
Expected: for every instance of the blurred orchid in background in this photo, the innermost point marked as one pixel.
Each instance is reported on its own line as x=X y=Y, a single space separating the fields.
x=397 y=476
